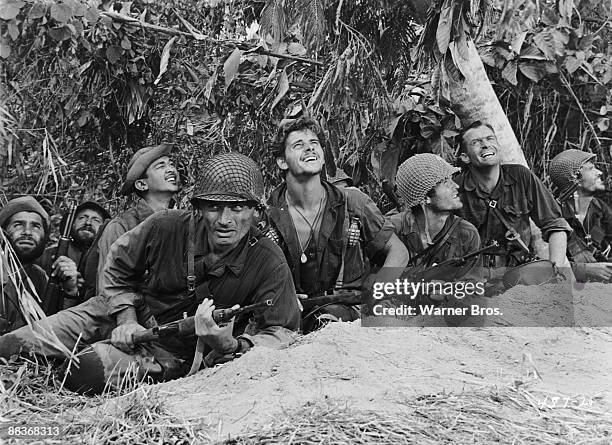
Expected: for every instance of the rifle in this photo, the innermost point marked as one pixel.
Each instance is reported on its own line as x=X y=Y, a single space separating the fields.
x=356 y=297
x=440 y=270
x=186 y=326
x=53 y=300
x=349 y=297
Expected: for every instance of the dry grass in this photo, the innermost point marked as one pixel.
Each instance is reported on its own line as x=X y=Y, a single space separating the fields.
x=32 y=395
x=507 y=415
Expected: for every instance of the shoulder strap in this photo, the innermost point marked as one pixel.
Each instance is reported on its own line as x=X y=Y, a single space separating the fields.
x=511 y=234
x=191 y=279
x=431 y=251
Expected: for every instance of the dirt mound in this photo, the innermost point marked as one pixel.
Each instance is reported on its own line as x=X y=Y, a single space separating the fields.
x=375 y=369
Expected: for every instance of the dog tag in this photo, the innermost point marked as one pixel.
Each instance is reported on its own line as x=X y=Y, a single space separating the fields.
x=303 y=258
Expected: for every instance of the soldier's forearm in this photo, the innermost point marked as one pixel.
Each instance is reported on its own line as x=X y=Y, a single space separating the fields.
x=557 y=245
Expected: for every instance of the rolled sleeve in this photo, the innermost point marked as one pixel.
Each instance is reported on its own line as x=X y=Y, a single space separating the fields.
x=545 y=211
x=376 y=231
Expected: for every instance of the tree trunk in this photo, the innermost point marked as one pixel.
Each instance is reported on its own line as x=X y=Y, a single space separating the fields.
x=472 y=98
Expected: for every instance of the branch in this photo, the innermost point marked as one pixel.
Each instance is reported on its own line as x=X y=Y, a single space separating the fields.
x=175 y=32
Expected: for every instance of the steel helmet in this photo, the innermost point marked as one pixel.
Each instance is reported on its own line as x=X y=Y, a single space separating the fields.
x=230 y=177
x=419 y=174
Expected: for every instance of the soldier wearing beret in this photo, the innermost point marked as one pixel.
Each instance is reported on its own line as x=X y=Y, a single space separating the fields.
x=26 y=225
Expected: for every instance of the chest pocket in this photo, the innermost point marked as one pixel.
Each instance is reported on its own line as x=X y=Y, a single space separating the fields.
x=517 y=217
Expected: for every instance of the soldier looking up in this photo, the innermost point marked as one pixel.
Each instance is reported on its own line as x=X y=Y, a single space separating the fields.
x=327 y=233
x=153 y=177
x=428 y=228
x=499 y=200
x=576 y=180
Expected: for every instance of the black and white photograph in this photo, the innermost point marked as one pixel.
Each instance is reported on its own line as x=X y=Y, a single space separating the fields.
x=306 y=222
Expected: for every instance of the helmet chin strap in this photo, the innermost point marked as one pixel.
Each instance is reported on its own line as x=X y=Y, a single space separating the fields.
x=427 y=236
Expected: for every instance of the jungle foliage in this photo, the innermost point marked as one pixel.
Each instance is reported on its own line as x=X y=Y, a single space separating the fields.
x=85 y=83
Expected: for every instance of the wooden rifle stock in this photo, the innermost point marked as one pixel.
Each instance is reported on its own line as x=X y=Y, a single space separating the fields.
x=186 y=326
x=53 y=300
x=441 y=271
x=343 y=297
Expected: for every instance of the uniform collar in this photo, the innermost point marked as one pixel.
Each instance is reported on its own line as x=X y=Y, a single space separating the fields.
x=234 y=261
x=505 y=177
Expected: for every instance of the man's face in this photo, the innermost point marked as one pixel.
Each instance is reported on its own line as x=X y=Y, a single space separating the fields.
x=86 y=225
x=480 y=147
x=590 y=178
x=445 y=196
x=161 y=176
x=303 y=154
x=26 y=233
x=227 y=223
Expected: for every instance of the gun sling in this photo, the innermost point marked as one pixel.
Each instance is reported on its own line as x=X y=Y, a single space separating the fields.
x=430 y=251
x=511 y=234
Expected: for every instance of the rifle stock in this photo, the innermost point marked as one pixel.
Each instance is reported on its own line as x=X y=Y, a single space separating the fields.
x=186 y=326
x=53 y=299
x=342 y=297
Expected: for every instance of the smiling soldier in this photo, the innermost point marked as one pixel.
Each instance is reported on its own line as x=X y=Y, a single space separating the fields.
x=327 y=233
x=576 y=180
x=499 y=200
x=153 y=177
x=428 y=228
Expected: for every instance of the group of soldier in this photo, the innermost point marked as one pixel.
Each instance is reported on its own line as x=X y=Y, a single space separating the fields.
x=152 y=265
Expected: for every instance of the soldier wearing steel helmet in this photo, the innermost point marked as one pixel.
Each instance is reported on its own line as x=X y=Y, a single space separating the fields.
x=428 y=227
x=214 y=250
x=576 y=179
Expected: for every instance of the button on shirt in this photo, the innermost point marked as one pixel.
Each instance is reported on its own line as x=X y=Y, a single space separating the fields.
x=332 y=238
x=149 y=263
x=519 y=195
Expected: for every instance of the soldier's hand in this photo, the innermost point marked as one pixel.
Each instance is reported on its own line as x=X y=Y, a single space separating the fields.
x=121 y=337
x=599 y=271
x=219 y=338
x=66 y=270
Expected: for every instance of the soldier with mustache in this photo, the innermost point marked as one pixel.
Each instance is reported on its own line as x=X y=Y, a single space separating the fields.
x=576 y=180
x=88 y=220
x=26 y=225
x=499 y=200
x=328 y=234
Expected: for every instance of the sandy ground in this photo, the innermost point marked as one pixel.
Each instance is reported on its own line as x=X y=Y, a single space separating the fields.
x=377 y=368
